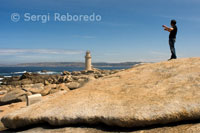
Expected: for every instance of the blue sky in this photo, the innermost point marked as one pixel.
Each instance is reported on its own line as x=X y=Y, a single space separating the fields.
x=129 y=30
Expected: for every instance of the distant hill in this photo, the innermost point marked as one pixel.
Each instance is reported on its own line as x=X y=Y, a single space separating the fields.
x=76 y=64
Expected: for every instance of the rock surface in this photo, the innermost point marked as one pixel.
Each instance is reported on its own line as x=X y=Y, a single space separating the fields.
x=144 y=95
x=73 y=85
x=17 y=95
x=34 y=88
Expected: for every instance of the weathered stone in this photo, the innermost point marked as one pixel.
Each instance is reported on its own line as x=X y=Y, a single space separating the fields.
x=114 y=71
x=91 y=78
x=3 y=92
x=69 y=78
x=5 y=87
x=50 y=80
x=99 y=76
x=90 y=71
x=46 y=82
x=63 y=79
x=73 y=85
x=32 y=99
x=54 y=90
x=66 y=73
x=26 y=75
x=34 y=88
x=47 y=89
x=59 y=87
x=84 y=72
x=52 y=86
x=13 y=96
x=14 y=83
x=82 y=80
x=13 y=79
x=56 y=79
x=75 y=78
x=76 y=73
x=62 y=86
x=26 y=81
x=96 y=76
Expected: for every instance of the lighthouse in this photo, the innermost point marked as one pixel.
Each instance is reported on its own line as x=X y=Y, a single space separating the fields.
x=88 y=61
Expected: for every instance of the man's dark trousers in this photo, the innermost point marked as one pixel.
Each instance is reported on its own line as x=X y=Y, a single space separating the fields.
x=172 y=48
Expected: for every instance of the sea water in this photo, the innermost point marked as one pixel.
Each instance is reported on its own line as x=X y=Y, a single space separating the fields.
x=15 y=71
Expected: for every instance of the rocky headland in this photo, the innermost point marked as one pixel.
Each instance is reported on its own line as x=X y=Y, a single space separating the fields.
x=151 y=97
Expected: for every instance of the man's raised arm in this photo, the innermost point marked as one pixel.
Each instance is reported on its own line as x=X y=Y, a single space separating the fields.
x=167 y=28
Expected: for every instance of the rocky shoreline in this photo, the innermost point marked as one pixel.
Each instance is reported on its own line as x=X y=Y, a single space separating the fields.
x=16 y=88
x=147 y=98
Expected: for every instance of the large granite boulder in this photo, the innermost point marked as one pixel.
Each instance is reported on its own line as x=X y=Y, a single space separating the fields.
x=34 y=88
x=59 y=87
x=53 y=88
x=47 y=89
x=66 y=73
x=73 y=85
x=26 y=75
x=13 y=79
x=148 y=94
x=16 y=95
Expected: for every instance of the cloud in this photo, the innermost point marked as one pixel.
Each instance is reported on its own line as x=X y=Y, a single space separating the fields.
x=39 y=51
x=15 y=56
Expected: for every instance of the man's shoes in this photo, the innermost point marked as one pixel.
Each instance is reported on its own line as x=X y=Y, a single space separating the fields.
x=171 y=59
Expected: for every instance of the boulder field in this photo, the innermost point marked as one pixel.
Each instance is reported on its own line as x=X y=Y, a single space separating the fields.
x=146 y=95
x=16 y=88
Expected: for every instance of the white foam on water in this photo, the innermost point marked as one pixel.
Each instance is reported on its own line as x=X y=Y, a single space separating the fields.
x=49 y=73
x=7 y=76
x=1 y=78
x=20 y=72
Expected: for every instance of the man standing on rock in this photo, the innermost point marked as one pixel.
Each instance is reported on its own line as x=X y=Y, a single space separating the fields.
x=172 y=38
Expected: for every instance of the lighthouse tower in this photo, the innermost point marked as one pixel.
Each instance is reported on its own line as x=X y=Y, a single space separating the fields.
x=88 y=61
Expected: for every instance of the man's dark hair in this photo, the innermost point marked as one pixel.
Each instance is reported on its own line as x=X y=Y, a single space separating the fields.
x=173 y=22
